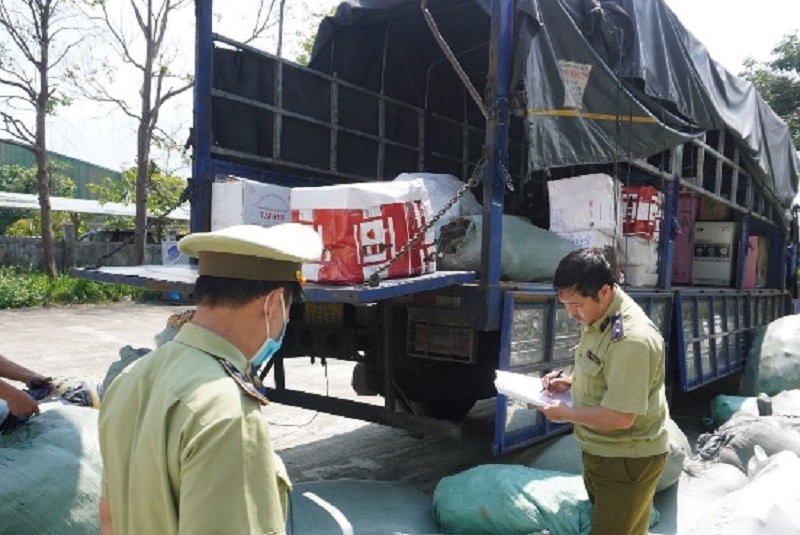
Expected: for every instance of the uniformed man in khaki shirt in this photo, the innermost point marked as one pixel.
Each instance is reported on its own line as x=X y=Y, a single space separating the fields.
x=619 y=405
x=185 y=446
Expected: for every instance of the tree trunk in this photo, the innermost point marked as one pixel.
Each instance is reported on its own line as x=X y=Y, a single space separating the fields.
x=143 y=143
x=40 y=148
x=142 y=175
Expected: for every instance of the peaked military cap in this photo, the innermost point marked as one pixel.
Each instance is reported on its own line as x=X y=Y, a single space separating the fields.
x=252 y=252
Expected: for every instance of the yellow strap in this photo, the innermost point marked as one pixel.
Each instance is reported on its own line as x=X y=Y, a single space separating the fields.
x=532 y=112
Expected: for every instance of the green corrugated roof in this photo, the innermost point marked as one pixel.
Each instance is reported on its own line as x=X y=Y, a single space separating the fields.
x=81 y=173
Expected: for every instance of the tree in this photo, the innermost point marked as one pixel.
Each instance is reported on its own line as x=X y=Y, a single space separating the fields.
x=778 y=81
x=151 y=58
x=306 y=38
x=37 y=39
x=164 y=190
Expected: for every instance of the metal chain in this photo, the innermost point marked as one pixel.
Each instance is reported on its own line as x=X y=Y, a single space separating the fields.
x=473 y=181
x=185 y=195
x=509 y=180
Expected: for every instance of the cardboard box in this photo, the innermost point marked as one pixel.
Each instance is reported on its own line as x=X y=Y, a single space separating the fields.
x=588 y=239
x=711 y=210
x=642 y=209
x=238 y=201
x=594 y=239
x=683 y=253
x=639 y=261
x=639 y=276
x=714 y=253
x=363 y=226
x=587 y=202
x=635 y=251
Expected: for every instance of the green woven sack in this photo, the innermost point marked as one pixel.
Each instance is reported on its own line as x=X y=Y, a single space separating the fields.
x=52 y=473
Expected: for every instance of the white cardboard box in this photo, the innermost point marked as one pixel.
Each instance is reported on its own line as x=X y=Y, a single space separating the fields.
x=639 y=276
x=238 y=201
x=635 y=251
x=588 y=239
x=587 y=202
x=714 y=248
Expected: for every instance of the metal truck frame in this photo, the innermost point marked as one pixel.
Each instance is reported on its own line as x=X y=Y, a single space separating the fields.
x=481 y=323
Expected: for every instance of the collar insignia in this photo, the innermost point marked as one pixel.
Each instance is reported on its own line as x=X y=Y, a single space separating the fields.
x=247 y=387
x=617 y=330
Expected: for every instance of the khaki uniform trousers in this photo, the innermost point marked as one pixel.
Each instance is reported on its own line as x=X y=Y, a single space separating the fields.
x=621 y=490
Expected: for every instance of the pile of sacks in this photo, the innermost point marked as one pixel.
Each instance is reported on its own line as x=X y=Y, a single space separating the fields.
x=745 y=477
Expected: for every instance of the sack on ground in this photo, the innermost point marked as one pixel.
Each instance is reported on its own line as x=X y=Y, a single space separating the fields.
x=735 y=442
x=768 y=503
x=564 y=455
x=350 y=507
x=513 y=500
x=52 y=473
x=773 y=363
x=699 y=490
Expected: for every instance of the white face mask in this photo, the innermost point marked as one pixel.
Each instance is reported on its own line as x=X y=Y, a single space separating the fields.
x=270 y=346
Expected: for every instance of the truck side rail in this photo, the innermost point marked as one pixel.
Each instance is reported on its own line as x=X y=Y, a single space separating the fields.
x=344 y=133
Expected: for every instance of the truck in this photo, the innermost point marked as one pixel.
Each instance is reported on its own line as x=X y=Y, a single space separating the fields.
x=509 y=96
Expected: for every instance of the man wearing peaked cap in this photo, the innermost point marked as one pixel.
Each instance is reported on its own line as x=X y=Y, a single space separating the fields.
x=185 y=446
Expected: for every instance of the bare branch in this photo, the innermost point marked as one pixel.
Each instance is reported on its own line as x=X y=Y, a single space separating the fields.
x=15 y=32
x=173 y=93
x=24 y=87
x=99 y=93
x=120 y=39
x=259 y=26
x=139 y=19
x=17 y=129
x=64 y=53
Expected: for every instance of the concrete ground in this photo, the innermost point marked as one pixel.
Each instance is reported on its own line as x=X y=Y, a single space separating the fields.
x=82 y=341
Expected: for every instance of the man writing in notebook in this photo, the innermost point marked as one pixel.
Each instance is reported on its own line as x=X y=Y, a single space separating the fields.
x=619 y=407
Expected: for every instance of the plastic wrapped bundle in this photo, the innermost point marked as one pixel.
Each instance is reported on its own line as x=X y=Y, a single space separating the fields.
x=528 y=253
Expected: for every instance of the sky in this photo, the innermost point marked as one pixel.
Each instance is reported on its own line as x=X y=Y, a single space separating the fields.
x=731 y=30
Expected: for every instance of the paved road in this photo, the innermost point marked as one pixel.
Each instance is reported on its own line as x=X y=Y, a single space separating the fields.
x=83 y=341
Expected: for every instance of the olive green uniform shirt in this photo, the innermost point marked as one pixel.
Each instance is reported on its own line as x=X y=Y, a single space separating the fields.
x=619 y=365
x=185 y=449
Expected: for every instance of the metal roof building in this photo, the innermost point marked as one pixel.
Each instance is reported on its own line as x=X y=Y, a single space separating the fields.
x=81 y=173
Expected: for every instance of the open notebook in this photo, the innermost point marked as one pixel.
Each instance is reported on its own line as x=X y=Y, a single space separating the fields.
x=527 y=389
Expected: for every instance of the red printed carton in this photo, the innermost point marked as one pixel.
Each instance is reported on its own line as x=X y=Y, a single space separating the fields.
x=642 y=212
x=363 y=226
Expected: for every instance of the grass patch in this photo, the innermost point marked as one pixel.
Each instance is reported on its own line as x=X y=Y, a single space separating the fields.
x=20 y=288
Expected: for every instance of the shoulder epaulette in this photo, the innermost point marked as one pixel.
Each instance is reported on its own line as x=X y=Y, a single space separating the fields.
x=247 y=387
x=617 y=330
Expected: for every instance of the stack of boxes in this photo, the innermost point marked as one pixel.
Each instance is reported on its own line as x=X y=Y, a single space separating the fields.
x=641 y=232
x=583 y=210
x=595 y=211
x=362 y=226
x=706 y=246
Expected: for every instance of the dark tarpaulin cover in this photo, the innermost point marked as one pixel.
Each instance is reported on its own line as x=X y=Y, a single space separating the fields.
x=584 y=64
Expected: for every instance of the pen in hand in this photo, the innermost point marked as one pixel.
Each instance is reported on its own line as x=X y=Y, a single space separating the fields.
x=559 y=374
